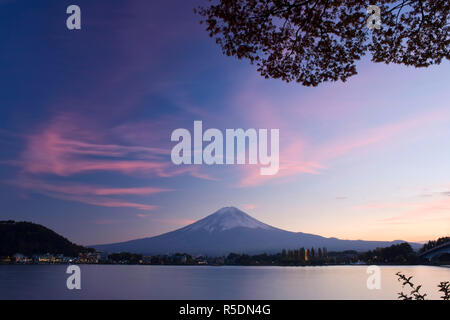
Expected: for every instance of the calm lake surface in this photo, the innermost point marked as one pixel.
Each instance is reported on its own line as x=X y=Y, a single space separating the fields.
x=204 y=282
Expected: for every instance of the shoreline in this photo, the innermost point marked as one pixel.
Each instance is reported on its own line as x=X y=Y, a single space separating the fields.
x=223 y=265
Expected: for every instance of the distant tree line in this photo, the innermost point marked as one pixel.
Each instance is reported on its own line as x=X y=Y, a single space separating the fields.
x=302 y=256
x=125 y=257
x=396 y=254
x=434 y=243
x=402 y=254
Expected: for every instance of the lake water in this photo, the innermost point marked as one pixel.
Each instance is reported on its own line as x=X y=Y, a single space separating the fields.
x=205 y=282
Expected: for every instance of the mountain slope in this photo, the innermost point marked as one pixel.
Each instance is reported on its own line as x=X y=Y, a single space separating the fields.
x=232 y=230
x=30 y=238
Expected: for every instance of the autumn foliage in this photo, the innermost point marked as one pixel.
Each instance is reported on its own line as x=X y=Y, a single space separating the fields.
x=312 y=41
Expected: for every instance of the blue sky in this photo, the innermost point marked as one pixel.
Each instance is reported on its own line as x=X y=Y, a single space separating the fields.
x=87 y=117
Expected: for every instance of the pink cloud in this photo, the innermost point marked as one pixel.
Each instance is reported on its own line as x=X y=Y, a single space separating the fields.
x=107 y=221
x=376 y=135
x=176 y=221
x=291 y=164
x=436 y=209
x=377 y=206
x=87 y=193
x=300 y=157
x=62 y=149
x=98 y=201
x=79 y=189
x=127 y=191
x=105 y=202
x=172 y=221
x=249 y=206
x=299 y=153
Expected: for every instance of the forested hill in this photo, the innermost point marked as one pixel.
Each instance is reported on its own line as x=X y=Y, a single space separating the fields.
x=29 y=238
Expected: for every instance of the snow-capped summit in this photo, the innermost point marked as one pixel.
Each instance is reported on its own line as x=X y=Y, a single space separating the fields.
x=225 y=219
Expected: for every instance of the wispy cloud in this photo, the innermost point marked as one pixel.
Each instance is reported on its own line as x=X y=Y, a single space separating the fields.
x=88 y=194
x=438 y=209
x=292 y=162
x=249 y=206
x=65 y=148
x=174 y=221
x=62 y=148
x=301 y=156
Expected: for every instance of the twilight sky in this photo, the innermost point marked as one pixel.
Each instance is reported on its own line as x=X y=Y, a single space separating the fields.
x=86 y=118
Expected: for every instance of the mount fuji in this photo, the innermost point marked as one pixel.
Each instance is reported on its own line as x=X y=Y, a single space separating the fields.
x=232 y=230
